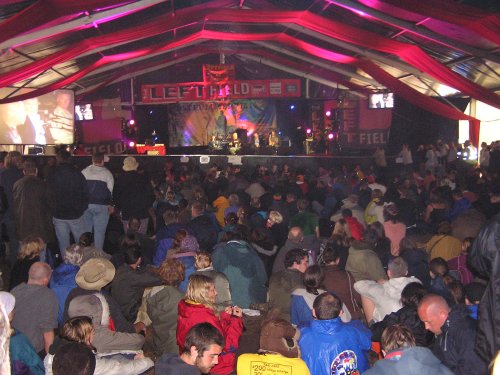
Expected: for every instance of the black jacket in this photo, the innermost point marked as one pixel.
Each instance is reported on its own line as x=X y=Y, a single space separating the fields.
x=455 y=345
x=408 y=317
x=69 y=188
x=133 y=195
x=205 y=230
x=484 y=257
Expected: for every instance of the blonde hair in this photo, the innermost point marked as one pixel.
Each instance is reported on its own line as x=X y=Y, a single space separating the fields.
x=31 y=247
x=78 y=329
x=202 y=260
x=198 y=288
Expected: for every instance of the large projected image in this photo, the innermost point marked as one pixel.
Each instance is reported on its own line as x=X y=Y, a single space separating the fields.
x=47 y=119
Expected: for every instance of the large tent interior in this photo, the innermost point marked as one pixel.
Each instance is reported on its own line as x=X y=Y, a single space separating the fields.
x=441 y=59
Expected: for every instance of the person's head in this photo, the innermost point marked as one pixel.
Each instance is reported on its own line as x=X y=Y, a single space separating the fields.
x=234 y=199
x=171 y=271
x=29 y=168
x=412 y=294
x=31 y=247
x=201 y=289
x=98 y=159
x=327 y=306
x=297 y=259
x=202 y=260
x=438 y=267
x=274 y=217
x=78 y=329
x=63 y=157
x=73 y=359
x=39 y=274
x=397 y=267
x=295 y=235
x=466 y=244
x=474 y=293
x=85 y=239
x=73 y=255
x=341 y=228
x=302 y=204
x=331 y=255
x=433 y=311
x=346 y=212
x=197 y=209
x=14 y=158
x=63 y=99
x=407 y=244
x=202 y=347
x=132 y=255
x=134 y=224
x=444 y=228
x=370 y=236
x=391 y=213
x=456 y=289
x=396 y=337
x=313 y=278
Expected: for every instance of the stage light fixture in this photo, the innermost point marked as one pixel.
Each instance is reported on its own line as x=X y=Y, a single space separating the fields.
x=131 y=122
x=308 y=131
x=292 y=106
x=330 y=136
x=328 y=113
x=131 y=144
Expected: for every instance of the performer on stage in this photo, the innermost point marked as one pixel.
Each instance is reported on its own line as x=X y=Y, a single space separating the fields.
x=235 y=144
x=256 y=140
x=274 y=140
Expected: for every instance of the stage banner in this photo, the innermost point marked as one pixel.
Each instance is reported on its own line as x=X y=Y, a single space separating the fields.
x=193 y=91
x=218 y=74
x=194 y=124
x=361 y=127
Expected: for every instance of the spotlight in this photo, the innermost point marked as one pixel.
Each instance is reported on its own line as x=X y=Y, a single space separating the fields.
x=131 y=122
x=330 y=136
x=131 y=144
x=308 y=131
x=328 y=113
x=292 y=106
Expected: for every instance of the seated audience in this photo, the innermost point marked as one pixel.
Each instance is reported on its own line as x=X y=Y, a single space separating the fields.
x=104 y=339
x=417 y=260
x=23 y=358
x=394 y=229
x=278 y=347
x=63 y=281
x=473 y=294
x=406 y=316
x=403 y=356
x=440 y=279
x=200 y=353
x=283 y=283
x=242 y=266
x=455 y=335
x=36 y=308
x=443 y=244
x=382 y=298
x=203 y=265
x=161 y=303
x=80 y=330
x=362 y=262
x=458 y=265
x=340 y=282
x=74 y=359
x=29 y=253
x=185 y=253
x=199 y=307
x=129 y=283
x=330 y=345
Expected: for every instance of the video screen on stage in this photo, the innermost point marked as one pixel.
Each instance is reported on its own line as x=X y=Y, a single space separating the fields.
x=44 y=120
x=84 y=112
x=381 y=100
x=197 y=123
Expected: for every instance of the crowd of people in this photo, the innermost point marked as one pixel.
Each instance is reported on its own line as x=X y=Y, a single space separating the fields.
x=345 y=269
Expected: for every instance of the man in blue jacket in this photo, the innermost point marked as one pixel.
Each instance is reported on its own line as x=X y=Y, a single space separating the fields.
x=330 y=346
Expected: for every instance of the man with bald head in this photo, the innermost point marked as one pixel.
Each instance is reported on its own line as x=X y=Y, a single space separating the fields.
x=455 y=335
x=36 y=308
